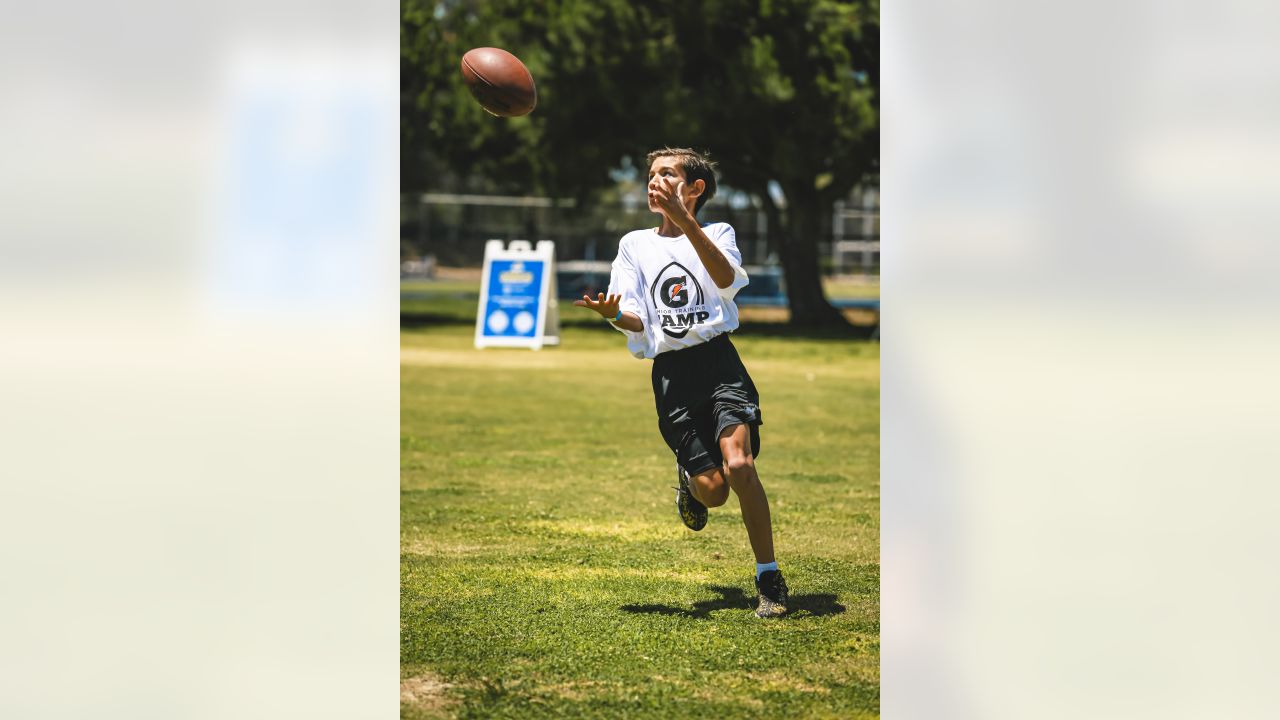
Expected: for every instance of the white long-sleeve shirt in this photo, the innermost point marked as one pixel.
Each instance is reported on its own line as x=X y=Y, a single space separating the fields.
x=663 y=281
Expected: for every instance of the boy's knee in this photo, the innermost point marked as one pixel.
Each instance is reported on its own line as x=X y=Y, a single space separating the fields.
x=717 y=497
x=718 y=493
x=712 y=490
x=739 y=468
x=740 y=473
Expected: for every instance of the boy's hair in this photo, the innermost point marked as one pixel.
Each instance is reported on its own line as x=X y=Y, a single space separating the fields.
x=696 y=166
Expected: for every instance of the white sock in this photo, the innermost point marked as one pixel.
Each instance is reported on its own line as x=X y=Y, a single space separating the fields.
x=765 y=567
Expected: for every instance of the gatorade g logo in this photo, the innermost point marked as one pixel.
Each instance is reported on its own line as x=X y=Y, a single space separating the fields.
x=672 y=287
x=677 y=297
x=675 y=292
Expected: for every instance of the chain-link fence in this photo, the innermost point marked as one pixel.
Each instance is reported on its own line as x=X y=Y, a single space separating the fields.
x=439 y=229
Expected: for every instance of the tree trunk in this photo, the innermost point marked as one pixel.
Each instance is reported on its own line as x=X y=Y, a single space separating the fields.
x=798 y=250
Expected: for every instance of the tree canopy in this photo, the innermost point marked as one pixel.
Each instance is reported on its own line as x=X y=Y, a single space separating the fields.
x=778 y=90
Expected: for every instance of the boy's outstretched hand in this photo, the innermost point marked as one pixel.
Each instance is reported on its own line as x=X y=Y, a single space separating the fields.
x=607 y=307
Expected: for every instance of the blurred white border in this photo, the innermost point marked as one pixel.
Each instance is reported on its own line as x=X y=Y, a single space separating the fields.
x=1079 y=219
x=199 y=364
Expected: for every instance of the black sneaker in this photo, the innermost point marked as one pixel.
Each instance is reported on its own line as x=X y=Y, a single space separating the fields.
x=692 y=512
x=773 y=594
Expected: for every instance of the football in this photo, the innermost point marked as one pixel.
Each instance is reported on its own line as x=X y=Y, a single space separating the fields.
x=499 y=81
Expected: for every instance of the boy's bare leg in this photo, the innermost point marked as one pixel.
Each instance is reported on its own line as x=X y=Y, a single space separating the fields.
x=740 y=469
x=710 y=488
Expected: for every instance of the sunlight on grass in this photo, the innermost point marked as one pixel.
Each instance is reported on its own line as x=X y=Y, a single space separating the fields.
x=544 y=571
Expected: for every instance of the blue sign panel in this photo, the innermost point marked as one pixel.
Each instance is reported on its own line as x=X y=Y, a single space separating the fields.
x=512 y=302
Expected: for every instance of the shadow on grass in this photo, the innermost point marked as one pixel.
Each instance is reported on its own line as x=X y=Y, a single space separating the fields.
x=732 y=597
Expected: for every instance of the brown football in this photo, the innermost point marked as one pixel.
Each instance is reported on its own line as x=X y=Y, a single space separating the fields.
x=499 y=81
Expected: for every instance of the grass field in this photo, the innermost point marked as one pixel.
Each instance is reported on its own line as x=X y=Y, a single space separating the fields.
x=544 y=570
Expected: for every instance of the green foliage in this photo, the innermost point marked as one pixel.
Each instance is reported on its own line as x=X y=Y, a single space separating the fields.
x=544 y=570
x=776 y=89
x=786 y=90
x=586 y=59
x=447 y=140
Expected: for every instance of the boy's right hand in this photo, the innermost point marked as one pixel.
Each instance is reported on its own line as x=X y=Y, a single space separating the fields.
x=607 y=307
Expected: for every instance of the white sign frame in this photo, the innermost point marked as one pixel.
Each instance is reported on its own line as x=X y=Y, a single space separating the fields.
x=547 y=327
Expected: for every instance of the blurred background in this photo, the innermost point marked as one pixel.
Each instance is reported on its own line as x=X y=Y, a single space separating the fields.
x=783 y=95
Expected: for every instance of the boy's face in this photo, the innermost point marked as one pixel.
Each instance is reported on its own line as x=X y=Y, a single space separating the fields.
x=666 y=167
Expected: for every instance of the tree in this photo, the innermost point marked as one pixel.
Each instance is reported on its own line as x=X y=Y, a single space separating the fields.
x=590 y=61
x=786 y=91
x=781 y=91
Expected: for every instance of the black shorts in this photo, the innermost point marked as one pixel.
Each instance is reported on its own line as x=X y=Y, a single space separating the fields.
x=700 y=391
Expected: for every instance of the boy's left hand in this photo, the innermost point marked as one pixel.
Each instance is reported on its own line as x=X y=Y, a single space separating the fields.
x=668 y=195
x=606 y=306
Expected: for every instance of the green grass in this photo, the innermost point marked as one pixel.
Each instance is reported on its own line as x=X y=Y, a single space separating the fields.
x=441 y=300
x=440 y=287
x=545 y=573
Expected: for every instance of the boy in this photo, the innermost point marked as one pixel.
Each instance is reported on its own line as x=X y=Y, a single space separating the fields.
x=671 y=293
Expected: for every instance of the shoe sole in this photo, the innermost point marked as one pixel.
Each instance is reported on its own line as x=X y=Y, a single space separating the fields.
x=770 y=610
x=696 y=526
